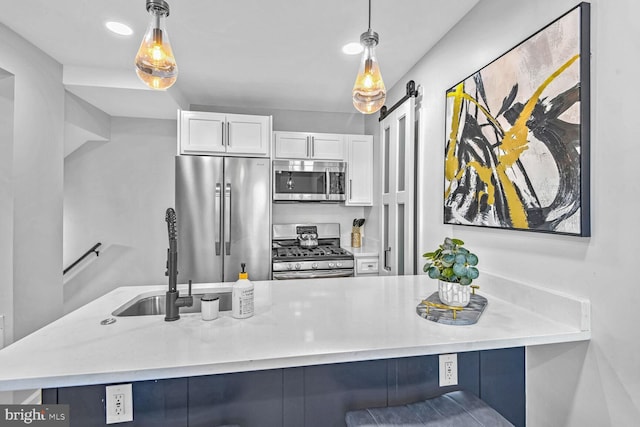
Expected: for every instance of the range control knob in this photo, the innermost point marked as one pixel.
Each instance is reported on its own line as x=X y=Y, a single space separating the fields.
x=331 y=265
x=289 y=266
x=298 y=266
x=339 y=264
x=314 y=265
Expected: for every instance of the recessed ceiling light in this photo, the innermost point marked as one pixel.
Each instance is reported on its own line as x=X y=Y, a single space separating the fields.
x=353 y=48
x=119 y=28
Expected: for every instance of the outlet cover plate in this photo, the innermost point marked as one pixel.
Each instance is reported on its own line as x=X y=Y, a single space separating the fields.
x=448 y=369
x=119 y=403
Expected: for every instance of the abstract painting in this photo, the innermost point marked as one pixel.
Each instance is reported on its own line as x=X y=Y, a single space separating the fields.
x=517 y=135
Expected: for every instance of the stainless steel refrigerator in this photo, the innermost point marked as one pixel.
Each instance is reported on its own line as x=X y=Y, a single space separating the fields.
x=223 y=218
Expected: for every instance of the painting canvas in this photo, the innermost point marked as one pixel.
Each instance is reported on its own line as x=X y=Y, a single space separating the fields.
x=517 y=136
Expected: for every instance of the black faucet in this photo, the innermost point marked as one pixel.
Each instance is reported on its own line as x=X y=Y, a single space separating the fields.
x=173 y=301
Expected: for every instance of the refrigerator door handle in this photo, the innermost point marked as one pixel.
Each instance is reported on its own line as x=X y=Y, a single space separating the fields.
x=227 y=219
x=217 y=217
x=386 y=260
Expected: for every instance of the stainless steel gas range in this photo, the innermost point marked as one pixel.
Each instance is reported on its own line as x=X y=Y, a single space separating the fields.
x=309 y=251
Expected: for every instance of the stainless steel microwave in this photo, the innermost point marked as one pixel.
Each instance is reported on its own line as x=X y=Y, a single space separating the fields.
x=308 y=181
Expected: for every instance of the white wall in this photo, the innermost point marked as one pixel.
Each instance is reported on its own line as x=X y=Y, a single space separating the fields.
x=36 y=183
x=116 y=193
x=83 y=122
x=7 y=82
x=583 y=384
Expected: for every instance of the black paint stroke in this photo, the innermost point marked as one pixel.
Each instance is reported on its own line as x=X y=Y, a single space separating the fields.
x=508 y=100
x=561 y=138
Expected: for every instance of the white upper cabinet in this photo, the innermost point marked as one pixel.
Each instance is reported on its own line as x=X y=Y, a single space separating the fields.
x=291 y=145
x=329 y=146
x=303 y=145
x=201 y=132
x=359 y=170
x=248 y=134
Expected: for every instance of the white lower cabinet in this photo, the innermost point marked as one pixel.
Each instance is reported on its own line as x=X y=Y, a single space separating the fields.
x=366 y=266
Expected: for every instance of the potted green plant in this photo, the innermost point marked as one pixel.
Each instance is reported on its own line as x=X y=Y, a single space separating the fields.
x=454 y=267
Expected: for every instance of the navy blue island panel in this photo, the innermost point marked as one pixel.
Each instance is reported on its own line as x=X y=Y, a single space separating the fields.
x=309 y=396
x=160 y=403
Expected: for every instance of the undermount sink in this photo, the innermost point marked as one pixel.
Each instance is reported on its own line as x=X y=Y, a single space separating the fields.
x=149 y=305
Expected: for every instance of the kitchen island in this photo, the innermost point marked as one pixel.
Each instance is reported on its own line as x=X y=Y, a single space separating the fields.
x=297 y=323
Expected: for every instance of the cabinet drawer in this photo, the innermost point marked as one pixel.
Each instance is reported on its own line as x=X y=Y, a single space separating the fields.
x=366 y=265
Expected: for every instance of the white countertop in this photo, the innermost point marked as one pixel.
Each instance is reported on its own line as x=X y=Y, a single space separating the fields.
x=366 y=250
x=297 y=323
x=369 y=247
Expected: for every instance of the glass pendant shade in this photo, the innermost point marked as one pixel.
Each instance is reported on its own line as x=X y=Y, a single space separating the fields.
x=369 y=92
x=155 y=63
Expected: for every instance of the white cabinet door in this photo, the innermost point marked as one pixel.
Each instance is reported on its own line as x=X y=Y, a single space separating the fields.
x=201 y=132
x=304 y=145
x=327 y=146
x=359 y=170
x=291 y=145
x=248 y=134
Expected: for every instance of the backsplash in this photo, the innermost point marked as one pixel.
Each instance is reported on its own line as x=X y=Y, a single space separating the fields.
x=284 y=213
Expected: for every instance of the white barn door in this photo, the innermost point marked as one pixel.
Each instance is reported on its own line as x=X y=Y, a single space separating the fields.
x=397 y=136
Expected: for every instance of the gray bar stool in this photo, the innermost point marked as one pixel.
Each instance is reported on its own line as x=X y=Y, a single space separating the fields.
x=454 y=409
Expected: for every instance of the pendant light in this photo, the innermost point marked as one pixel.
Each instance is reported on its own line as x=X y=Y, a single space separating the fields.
x=369 y=92
x=155 y=63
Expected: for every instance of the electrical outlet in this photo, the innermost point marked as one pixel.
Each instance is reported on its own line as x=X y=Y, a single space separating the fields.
x=448 y=369
x=119 y=403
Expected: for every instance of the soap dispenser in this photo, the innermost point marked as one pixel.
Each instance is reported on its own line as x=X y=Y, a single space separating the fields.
x=242 y=296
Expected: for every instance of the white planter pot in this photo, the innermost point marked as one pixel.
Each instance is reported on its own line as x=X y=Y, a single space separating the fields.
x=454 y=294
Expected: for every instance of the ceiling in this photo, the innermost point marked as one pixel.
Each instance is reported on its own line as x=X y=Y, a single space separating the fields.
x=278 y=54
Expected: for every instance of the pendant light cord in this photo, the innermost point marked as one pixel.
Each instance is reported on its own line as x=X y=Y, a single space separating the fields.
x=369 y=15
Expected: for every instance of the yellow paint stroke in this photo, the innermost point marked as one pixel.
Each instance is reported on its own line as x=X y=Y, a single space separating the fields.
x=513 y=144
x=484 y=173
x=515 y=139
x=488 y=115
x=451 y=164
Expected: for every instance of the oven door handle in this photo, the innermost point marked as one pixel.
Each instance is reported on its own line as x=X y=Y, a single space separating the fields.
x=284 y=275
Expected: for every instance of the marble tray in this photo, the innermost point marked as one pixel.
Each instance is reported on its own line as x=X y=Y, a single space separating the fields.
x=466 y=316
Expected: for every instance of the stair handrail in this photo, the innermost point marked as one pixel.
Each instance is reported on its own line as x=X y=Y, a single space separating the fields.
x=86 y=254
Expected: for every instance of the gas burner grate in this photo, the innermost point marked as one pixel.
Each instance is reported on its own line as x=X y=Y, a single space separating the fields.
x=318 y=252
